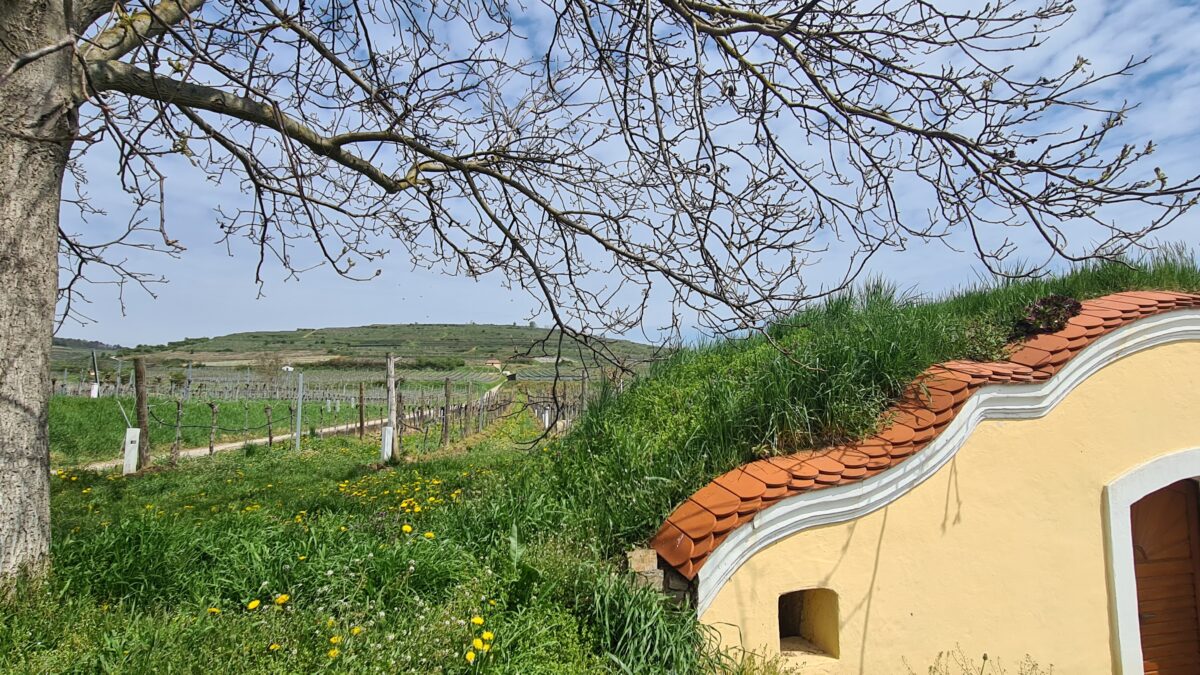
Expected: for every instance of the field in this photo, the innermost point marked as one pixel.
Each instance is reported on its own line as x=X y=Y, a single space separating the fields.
x=467 y=343
x=272 y=561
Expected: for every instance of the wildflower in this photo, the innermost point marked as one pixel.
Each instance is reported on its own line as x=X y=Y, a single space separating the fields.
x=253 y=604
x=356 y=630
x=214 y=610
x=477 y=643
x=330 y=622
x=477 y=620
x=336 y=639
x=302 y=557
x=485 y=648
x=407 y=529
x=333 y=653
x=87 y=491
x=470 y=657
x=282 y=598
x=275 y=646
x=429 y=535
x=488 y=635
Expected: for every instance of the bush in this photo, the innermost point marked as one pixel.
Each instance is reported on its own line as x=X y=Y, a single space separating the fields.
x=1046 y=315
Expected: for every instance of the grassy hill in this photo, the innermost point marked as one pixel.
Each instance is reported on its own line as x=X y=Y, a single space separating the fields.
x=469 y=342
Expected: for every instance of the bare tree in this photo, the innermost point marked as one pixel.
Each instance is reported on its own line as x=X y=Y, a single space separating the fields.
x=587 y=151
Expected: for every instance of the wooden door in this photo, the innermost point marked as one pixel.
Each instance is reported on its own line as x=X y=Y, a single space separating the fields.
x=1166 y=552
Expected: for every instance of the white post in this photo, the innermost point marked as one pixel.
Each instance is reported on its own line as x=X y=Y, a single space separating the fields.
x=385 y=447
x=132 y=438
x=389 y=447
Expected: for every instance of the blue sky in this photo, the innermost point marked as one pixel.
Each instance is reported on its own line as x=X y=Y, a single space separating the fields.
x=211 y=289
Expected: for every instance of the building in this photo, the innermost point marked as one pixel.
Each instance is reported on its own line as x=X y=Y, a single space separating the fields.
x=1045 y=505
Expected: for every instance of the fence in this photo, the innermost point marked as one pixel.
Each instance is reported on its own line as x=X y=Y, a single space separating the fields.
x=455 y=412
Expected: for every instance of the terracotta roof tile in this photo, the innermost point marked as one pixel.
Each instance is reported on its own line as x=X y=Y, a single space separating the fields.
x=928 y=405
x=771 y=475
x=742 y=484
x=718 y=500
x=693 y=520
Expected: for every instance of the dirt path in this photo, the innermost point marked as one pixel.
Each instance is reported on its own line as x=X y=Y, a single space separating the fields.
x=235 y=445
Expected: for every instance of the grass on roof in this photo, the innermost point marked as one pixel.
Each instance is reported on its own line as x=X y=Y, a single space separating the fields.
x=635 y=456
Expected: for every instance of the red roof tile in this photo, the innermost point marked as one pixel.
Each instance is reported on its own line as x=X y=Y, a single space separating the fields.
x=703 y=521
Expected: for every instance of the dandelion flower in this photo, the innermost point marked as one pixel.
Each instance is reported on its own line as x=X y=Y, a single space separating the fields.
x=477 y=620
x=477 y=643
x=407 y=529
x=282 y=598
x=336 y=639
x=429 y=535
x=485 y=648
x=356 y=630
x=333 y=653
x=275 y=646
x=470 y=657
x=214 y=610
x=330 y=622
x=488 y=635
x=302 y=557
x=253 y=604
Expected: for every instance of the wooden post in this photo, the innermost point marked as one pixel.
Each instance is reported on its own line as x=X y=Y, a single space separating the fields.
x=388 y=450
x=398 y=438
x=446 y=415
x=362 y=412
x=212 y=430
x=299 y=409
x=270 y=428
x=143 y=413
x=178 y=433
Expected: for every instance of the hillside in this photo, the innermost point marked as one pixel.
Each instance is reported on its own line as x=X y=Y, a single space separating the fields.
x=472 y=343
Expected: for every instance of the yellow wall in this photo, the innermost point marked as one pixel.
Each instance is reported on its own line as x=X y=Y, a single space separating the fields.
x=1001 y=551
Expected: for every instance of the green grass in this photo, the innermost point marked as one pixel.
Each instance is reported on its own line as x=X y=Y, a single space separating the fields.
x=473 y=342
x=632 y=458
x=138 y=562
x=86 y=430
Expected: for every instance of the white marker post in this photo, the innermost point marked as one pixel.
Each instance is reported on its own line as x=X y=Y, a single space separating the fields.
x=385 y=448
x=132 y=436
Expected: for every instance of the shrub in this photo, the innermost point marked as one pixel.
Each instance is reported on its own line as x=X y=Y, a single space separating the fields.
x=1046 y=315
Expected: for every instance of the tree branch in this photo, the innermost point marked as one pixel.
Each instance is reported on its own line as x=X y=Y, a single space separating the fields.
x=135 y=29
x=124 y=78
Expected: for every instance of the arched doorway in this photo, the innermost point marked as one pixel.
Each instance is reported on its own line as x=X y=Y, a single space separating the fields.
x=1165 y=529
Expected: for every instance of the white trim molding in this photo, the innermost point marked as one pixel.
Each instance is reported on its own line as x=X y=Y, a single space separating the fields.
x=1119 y=496
x=1007 y=401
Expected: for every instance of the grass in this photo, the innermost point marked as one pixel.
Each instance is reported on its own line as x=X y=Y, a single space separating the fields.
x=524 y=537
x=632 y=458
x=394 y=564
x=85 y=430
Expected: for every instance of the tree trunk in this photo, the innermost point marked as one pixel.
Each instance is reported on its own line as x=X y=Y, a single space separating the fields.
x=36 y=119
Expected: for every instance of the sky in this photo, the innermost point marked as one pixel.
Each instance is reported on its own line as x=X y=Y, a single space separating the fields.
x=211 y=289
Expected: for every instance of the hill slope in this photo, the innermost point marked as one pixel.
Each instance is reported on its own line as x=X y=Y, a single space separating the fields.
x=471 y=342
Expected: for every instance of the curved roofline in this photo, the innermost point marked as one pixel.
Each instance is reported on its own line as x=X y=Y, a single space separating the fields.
x=745 y=510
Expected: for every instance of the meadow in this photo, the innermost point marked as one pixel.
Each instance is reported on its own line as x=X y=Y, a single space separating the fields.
x=272 y=561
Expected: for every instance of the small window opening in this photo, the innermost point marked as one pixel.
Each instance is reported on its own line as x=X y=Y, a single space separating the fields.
x=808 y=622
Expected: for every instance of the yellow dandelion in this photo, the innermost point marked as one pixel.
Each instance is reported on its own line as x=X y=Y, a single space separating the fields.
x=356 y=630
x=335 y=640
x=275 y=646
x=485 y=648
x=333 y=653
x=253 y=604
x=477 y=643
x=470 y=657
x=301 y=557
x=477 y=620
x=488 y=635
x=214 y=610
x=429 y=535
x=282 y=598
x=407 y=529
x=330 y=622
